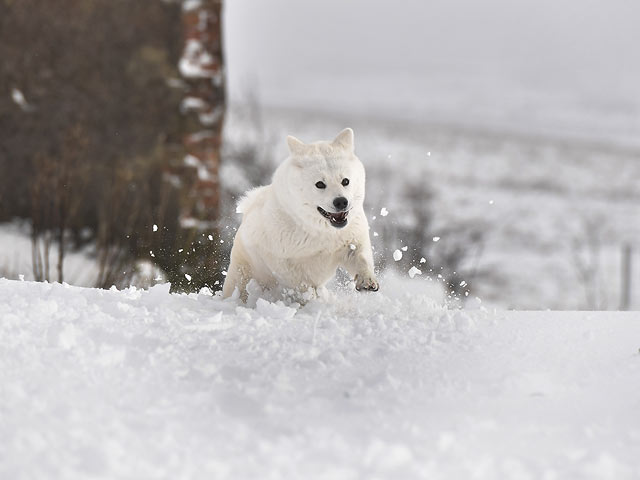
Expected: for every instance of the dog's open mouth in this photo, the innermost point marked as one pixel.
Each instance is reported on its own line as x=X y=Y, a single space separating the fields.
x=337 y=220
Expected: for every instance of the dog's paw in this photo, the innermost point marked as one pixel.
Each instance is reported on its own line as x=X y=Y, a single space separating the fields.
x=368 y=283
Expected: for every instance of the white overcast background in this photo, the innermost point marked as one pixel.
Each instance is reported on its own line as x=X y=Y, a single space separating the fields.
x=539 y=66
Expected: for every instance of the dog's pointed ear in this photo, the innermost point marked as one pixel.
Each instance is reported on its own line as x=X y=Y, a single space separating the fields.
x=344 y=140
x=296 y=147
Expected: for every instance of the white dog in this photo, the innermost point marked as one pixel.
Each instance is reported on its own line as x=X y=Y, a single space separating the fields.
x=309 y=221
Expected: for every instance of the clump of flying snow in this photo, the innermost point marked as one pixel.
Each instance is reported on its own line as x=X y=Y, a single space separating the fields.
x=413 y=271
x=18 y=98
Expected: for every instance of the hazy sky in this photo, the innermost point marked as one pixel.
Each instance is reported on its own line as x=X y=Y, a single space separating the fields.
x=366 y=52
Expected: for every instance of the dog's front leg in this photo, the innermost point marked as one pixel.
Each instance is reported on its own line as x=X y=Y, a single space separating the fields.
x=358 y=262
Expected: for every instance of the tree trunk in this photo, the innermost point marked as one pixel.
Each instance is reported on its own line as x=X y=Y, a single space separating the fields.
x=196 y=261
x=202 y=69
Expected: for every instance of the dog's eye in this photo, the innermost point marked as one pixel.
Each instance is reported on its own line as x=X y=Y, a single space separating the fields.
x=345 y=182
x=321 y=185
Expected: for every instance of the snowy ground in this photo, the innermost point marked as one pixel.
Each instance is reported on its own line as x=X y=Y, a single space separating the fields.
x=144 y=384
x=81 y=267
x=541 y=201
x=16 y=257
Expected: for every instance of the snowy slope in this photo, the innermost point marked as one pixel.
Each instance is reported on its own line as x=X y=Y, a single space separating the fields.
x=144 y=384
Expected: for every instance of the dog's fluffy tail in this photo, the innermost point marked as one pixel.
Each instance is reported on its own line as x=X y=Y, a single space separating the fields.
x=250 y=198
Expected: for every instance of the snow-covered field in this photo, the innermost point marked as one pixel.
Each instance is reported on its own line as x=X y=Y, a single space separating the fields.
x=548 y=205
x=146 y=384
x=16 y=259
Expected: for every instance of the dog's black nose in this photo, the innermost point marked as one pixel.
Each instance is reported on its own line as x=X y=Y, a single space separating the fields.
x=340 y=203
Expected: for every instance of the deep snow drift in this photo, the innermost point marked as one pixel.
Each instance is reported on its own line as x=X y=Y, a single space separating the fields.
x=144 y=384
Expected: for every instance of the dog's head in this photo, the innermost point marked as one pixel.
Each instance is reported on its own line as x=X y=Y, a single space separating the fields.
x=321 y=182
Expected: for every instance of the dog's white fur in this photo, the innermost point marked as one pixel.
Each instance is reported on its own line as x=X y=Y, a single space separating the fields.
x=284 y=241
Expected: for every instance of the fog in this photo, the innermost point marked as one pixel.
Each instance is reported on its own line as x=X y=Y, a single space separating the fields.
x=573 y=65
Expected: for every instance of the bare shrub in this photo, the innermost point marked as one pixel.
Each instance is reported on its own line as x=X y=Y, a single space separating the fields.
x=57 y=193
x=453 y=259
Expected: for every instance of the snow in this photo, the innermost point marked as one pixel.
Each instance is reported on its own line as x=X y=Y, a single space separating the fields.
x=194 y=162
x=197 y=62
x=18 y=98
x=146 y=384
x=200 y=136
x=192 y=103
x=413 y=271
x=210 y=117
x=191 y=4
x=397 y=255
x=207 y=114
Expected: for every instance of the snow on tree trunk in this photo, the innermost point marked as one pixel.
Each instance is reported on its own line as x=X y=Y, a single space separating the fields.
x=195 y=259
x=202 y=69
